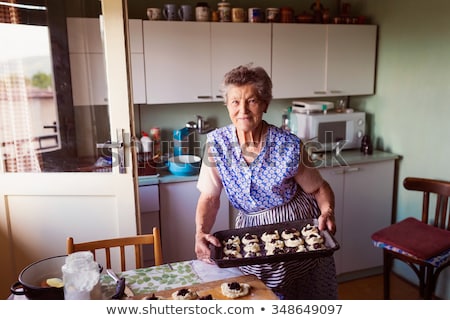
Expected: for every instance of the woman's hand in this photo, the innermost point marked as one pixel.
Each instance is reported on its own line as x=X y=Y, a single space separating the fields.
x=202 y=242
x=326 y=221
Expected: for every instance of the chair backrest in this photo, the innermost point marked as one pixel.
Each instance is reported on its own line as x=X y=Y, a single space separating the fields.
x=121 y=243
x=442 y=191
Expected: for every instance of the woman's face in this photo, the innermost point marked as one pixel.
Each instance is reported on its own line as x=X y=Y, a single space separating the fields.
x=244 y=107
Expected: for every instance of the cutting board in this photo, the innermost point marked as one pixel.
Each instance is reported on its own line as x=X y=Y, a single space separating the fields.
x=258 y=291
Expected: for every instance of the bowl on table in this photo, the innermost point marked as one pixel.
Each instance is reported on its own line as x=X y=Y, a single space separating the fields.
x=32 y=279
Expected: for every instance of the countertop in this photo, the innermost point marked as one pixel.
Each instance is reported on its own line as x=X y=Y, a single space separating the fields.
x=346 y=158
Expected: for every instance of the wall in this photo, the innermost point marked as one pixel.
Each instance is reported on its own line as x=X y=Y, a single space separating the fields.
x=409 y=113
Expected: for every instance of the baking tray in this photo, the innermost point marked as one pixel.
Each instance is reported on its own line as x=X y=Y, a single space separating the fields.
x=217 y=254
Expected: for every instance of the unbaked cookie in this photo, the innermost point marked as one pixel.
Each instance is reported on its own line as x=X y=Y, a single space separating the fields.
x=289 y=233
x=308 y=229
x=269 y=236
x=274 y=243
x=294 y=241
x=235 y=290
x=232 y=240
x=314 y=238
x=231 y=248
x=300 y=248
x=252 y=247
x=249 y=238
x=184 y=294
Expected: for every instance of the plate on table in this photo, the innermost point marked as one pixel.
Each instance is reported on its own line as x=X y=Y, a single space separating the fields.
x=218 y=255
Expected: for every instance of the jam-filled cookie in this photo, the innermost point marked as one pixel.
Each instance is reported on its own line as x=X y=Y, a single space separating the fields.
x=249 y=238
x=309 y=229
x=270 y=235
x=184 y=294
x=235 y=290
x=289 y=233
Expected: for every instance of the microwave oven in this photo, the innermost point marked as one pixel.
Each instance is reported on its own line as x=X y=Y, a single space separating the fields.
x=323 y=131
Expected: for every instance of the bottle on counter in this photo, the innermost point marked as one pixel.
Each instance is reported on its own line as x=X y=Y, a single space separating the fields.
x=155 y=136
x=146 y=142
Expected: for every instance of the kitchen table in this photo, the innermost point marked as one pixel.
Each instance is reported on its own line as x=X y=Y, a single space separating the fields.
x=193 y=273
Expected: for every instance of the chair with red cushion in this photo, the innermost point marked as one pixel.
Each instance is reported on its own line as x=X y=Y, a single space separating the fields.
x=423 y=244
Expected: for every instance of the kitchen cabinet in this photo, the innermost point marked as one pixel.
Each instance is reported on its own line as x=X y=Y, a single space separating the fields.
x=178 y=206
x=177 y=56
x=363 y=196
x=187 y=60
x=149 y=217
x=237 y=44
x=323 y=60
x=137 y=61
x=87 y=63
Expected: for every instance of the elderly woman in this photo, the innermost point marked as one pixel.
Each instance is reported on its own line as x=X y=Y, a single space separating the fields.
x=268 y=179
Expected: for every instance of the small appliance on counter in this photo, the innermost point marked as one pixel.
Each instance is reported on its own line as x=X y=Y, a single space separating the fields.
x=312 y=106
x=327 y=131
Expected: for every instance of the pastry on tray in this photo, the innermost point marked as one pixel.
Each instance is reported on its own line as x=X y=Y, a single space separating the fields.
x=309 y=229
x=270 y=235
x=289 y=233
x=249 y=238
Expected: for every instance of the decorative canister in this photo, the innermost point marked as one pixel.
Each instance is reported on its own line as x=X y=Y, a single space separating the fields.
x=238 y=15
x=224 y=11
x=286 y=15
x=255 y=15
x=272 y=15
x=202 y=11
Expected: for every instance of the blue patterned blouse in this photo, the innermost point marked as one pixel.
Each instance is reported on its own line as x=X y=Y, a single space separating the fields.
x=265 y=183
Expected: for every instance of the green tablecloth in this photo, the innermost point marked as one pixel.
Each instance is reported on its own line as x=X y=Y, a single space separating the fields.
x=165 y=277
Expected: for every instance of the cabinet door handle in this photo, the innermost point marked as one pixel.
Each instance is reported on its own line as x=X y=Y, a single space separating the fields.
x=335 y=91
x=204 y=97
x=340 y=171
x=320 y=92
x=354 y=169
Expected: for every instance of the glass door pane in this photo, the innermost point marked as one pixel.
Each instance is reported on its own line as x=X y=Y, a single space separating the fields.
x=53 y=91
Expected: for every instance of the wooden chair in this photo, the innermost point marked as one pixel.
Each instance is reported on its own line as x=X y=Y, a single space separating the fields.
x=121 y=243
x=423 y=244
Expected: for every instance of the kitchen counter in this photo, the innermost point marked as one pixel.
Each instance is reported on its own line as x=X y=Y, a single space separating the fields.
x=348 y=157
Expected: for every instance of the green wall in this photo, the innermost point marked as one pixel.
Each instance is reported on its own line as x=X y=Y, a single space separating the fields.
x=409 y=113
x=410 y=110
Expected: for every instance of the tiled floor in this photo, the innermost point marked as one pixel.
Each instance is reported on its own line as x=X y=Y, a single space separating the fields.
x=371 y=288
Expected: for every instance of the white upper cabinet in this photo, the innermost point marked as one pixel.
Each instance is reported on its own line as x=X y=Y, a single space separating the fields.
x=137 y=61
x=187 y=60
x=298 y=60
x=234 y=44
x=323 y=60
x=351 y=59
x=178 y=61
